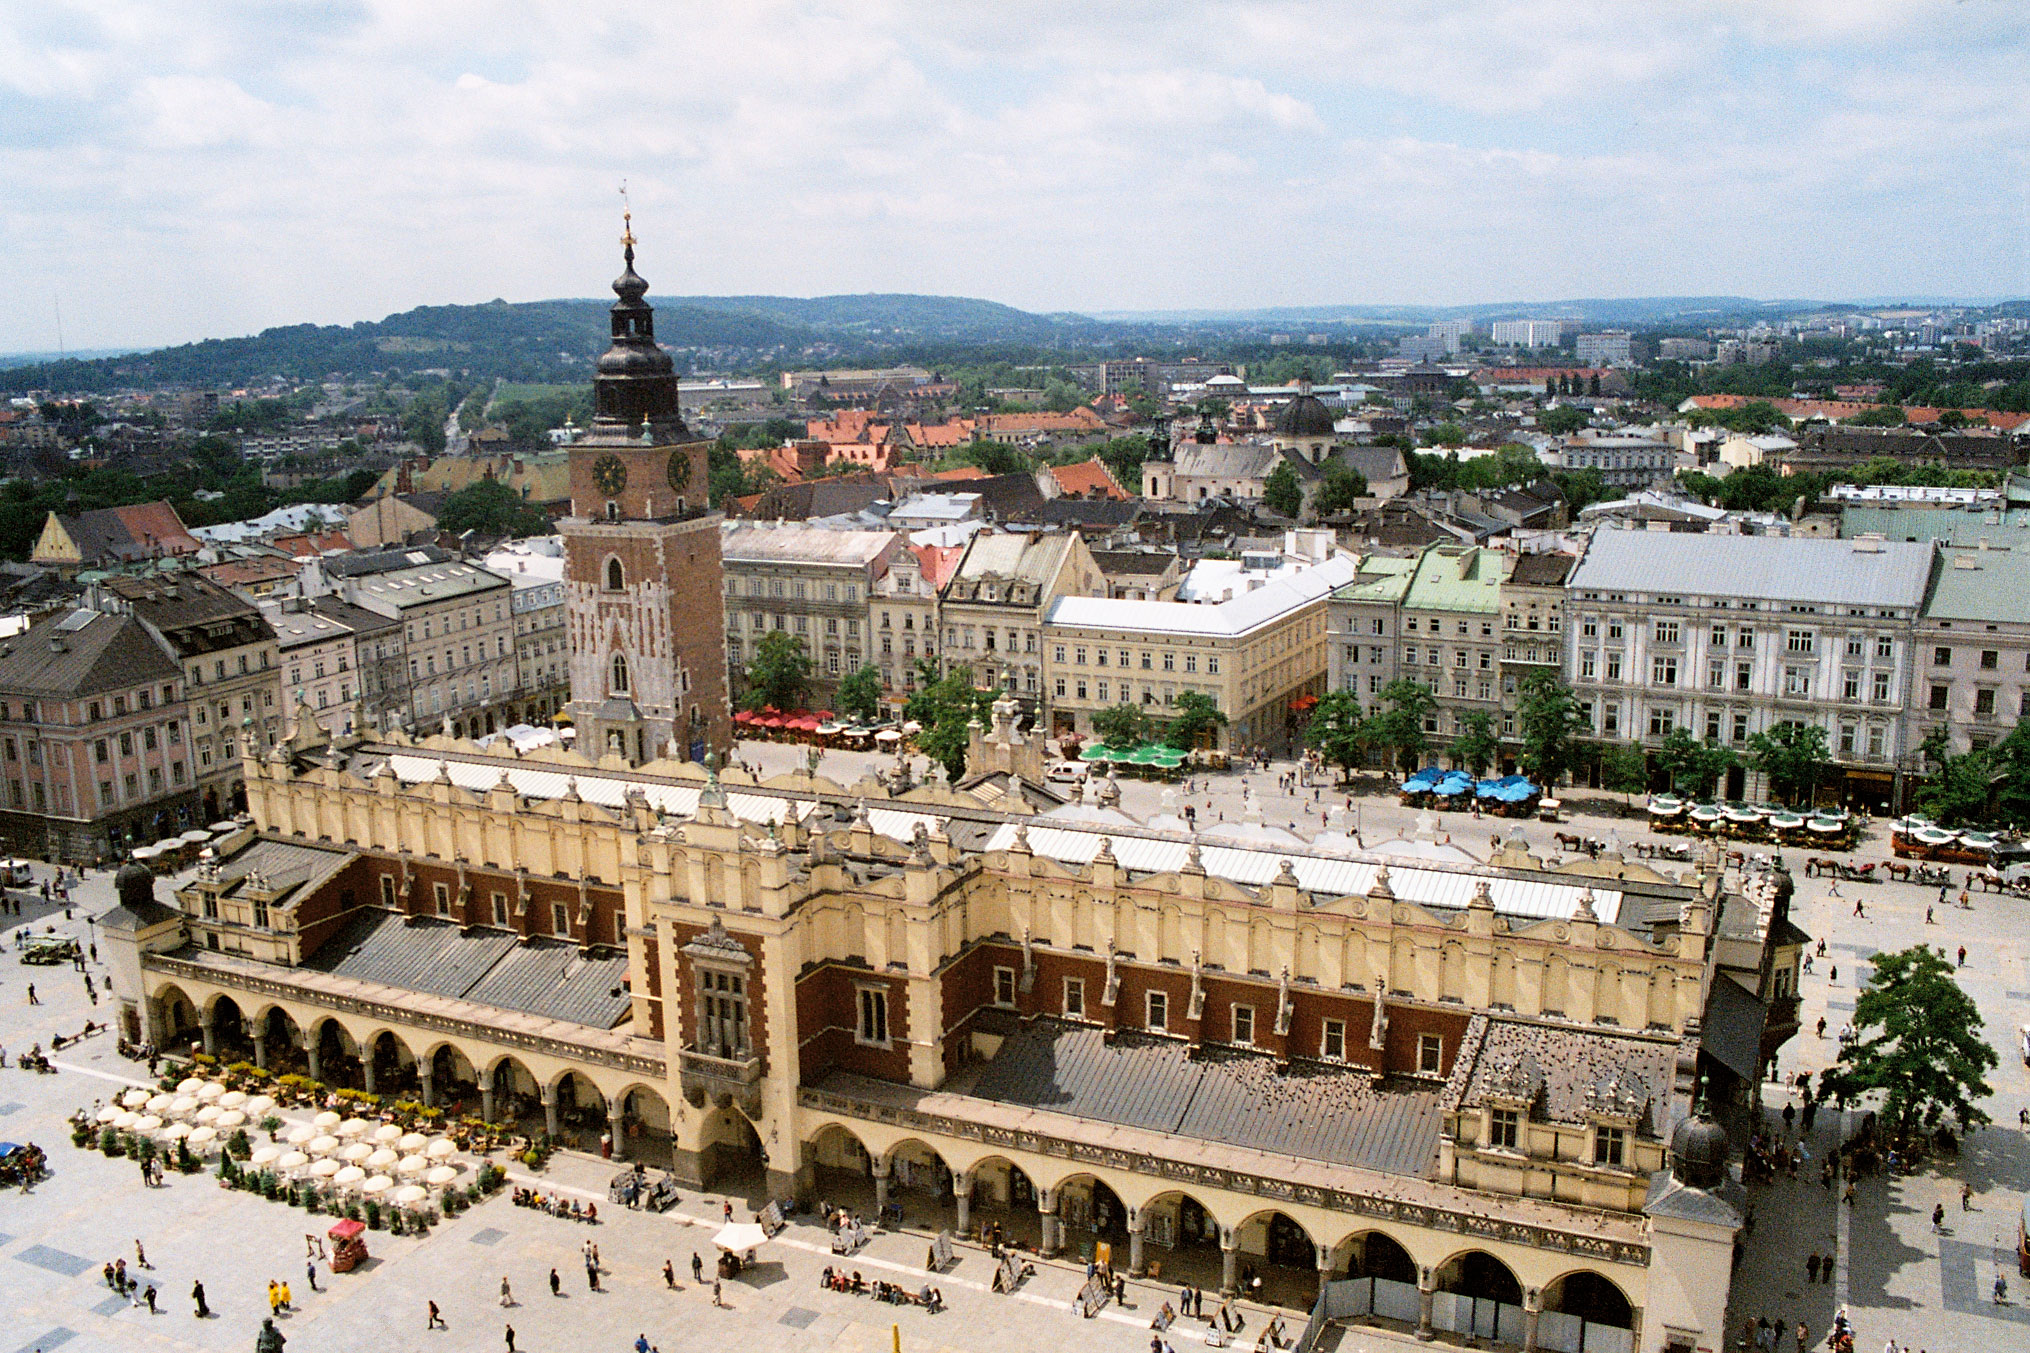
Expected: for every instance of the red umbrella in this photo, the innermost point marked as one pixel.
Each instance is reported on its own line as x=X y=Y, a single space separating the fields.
x=744 y=716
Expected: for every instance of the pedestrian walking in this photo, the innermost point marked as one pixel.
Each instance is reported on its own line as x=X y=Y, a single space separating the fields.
x=1963 y=956
x=151 y=1300
x=717 y=1298
x=726 y=1210
x=669 y=1275
x=120 y=1274
x=197 y=1295
x=141 y=1256
x=697 y=1268
x=509 y=1334
x=1834 y=891
x=591 y=1277
x=436 y=1320
x=31 y=995
x=1803 y=1337
x=1929 y=919
x=507 y=1296
x=1858 y=911
x=1937 y=1218
x=1811 y=1268
x=556 y=1284
x=1966 y=1197
x=310 y=1273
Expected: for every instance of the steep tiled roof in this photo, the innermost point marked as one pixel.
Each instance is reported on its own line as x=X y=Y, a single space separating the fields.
x=1090 y=478
x=110 y=535
x=82 y=652
x=1578 y=1071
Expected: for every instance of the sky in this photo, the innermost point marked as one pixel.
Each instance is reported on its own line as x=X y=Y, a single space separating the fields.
x=175 y=170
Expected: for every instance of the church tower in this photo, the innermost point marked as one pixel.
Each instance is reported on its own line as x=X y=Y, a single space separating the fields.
x=642 y=583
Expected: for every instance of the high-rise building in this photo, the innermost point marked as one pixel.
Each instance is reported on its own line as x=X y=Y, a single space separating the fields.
x=642 y=582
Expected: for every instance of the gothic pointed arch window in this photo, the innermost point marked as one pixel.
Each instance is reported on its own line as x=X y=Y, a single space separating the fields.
x=618 y=672
x=616 y=577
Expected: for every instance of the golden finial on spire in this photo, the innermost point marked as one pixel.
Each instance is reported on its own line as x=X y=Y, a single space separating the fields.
x=626 y=217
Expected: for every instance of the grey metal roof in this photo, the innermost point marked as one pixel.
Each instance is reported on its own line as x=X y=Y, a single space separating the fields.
x=83 y=653
x=1573 y=1061
x=419 y=954
x=1317 y=1112
x=1732 y=1029
x=292 y=863
x=554 y=978
x=1762 y=568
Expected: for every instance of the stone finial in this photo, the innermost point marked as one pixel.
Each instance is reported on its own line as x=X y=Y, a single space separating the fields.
x=1483 y=896
x=1380 y=889
x=1194 y=863
x=1585 y=911
x=1106 y=851
x=1021 y=842
x=1286 y=875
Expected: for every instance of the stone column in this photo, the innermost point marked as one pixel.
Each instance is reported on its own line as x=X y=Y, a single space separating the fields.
x=880 y=1186
x=1533 y=1305
x=209 y=1023
x=366 y=1070
x=486 y=1103
x=616 y=1124
x=1325 y=1265
x=260 y=1048
x=1046 y=1209
x=1229 y=1260
x=962 y=1198
x=312 y=1061
x=1135 y=1227
x=1427 y=1287
x=425 y=1091
x=550 y=1123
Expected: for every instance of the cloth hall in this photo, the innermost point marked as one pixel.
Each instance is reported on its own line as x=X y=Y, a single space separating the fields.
x=1460 y=1091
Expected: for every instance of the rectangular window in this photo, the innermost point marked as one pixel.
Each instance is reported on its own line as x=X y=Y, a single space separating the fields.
x=1740 y=727
x=388 y=890
x=443 y=894
x=1663 y=671
x=500 y=910
x=1880 y=691
x=1430 y=1054
x=1984 y=701
x=1797 y=681
x=1797 y=641
x=1941 y=657
x=1211 y=665
x=1244 y=1025
x=1333 y=1045
x=1745 y=640
x=1718 y=638
x=1743 y=673
x=1667 y=631
x=1586 y=666
x=1609 y=1143
x=1856 y=646
x=560 y=918
x=873 y=1016
x=1074 y=998
x=1004 y=986
x=1504 y=1128
x=1850 y=686
x=1990 y=659
x=1158 y=1010
x=1939 y=695
x=1614 y=667
x=1662 y=720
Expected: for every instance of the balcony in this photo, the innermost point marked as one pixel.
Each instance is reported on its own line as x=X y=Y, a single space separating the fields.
x=721 y=1081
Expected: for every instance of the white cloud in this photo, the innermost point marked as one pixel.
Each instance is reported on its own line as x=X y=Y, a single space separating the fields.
x=181 y=170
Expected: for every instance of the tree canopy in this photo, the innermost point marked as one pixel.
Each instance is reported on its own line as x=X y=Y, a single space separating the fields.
x=1476 y=747
x=1795 y=758
x=1339 y=489
x=1548 y=720
x=1281 y=493
x=945 y=707
x=1121 y=725
x=1919 y=1044
x=1338 y=729
x=1692 y=767
x=779 y=673
x=860 y=695
x=1196 y=723
x=1400 y=727
x=488 y=507
x=1623 y=768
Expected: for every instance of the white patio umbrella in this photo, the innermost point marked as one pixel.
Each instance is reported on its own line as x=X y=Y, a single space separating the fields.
x=209 y=1113
x=387 y=1132
x=441 y=1175
x=133 y=1099
x=183 y=1106
x=210 y=1090
x=297 y=1136
x=109 y=1113
x=229 y=1120
x=295 y=1160
x=410 y=1194
x=160 y=1103
x=147 y=1123
x=380 y=1183
x=412 y=1165
x=326 y=1120
x=353 y=1127
x=440 y=1149
x=233 y=1099
x=265 y=1155
x=740 y=1236
x=258 y=1105
x=125 y=1120
x=323 y=1145
x=203 y=1136
x=324 y=1169
x=381 y=1161
x=411 y=1143
x=189 y=1085
x=350 y=1175
x=175 y=1131
x=356 y=1153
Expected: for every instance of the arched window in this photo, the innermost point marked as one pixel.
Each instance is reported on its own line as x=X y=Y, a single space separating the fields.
x=619 y=684
x=616 y=580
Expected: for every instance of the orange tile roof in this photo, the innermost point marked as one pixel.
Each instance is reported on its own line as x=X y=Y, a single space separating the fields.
x=1081 y=419
x=959 y=472
x=954 y=433
x=938 y=562
x=1088 y=479
x=308 y=544
x=1837 y=410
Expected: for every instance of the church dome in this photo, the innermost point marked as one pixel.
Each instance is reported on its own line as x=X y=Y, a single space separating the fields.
x=135 y=882
x=1699 y=1151
x=1304 y=416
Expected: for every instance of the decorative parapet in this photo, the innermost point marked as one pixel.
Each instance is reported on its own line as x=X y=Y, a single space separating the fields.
x=639 y=1064
x=1429 y=1217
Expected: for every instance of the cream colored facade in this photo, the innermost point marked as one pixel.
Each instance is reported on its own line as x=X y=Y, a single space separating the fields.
x=945 y=893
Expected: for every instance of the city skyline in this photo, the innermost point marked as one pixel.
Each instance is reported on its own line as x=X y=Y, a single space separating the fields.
x=208 y=171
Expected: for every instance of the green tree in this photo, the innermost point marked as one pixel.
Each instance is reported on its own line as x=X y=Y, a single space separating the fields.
x=490 y=508
x=1623 y=769
x=1338 y=730
x=1400 y=727
x=1957 y=795
x=993 y=457
x=1919 y=1044
x=1447 y=434
x=1121 y=726
x=1562 y=421
x=1281 y=493
x=1340 y=487
x=1196 y=723
x=1123 y=457
x=946 y=707
x=2010 y=774
x=1795 y=758
x=860 y=695
x=1693 y=767
x=1548 y=720
x=1476 y=746
x=1882 y=416
x=779 y=673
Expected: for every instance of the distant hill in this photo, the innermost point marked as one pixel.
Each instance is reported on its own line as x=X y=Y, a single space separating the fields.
x=557 y=340
x=1640 y=310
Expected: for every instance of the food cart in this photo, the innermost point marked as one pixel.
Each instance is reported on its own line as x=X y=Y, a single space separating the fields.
x=348 y=1246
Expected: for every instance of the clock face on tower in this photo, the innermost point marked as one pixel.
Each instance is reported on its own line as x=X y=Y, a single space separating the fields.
x=609 y=472
x=680 y=470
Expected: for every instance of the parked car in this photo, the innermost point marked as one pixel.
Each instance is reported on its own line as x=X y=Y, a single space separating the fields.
x=17 y=874
x=50 y=950
x=1065 y=773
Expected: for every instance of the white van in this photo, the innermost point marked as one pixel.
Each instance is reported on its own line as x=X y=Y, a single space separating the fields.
x=16 y=874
